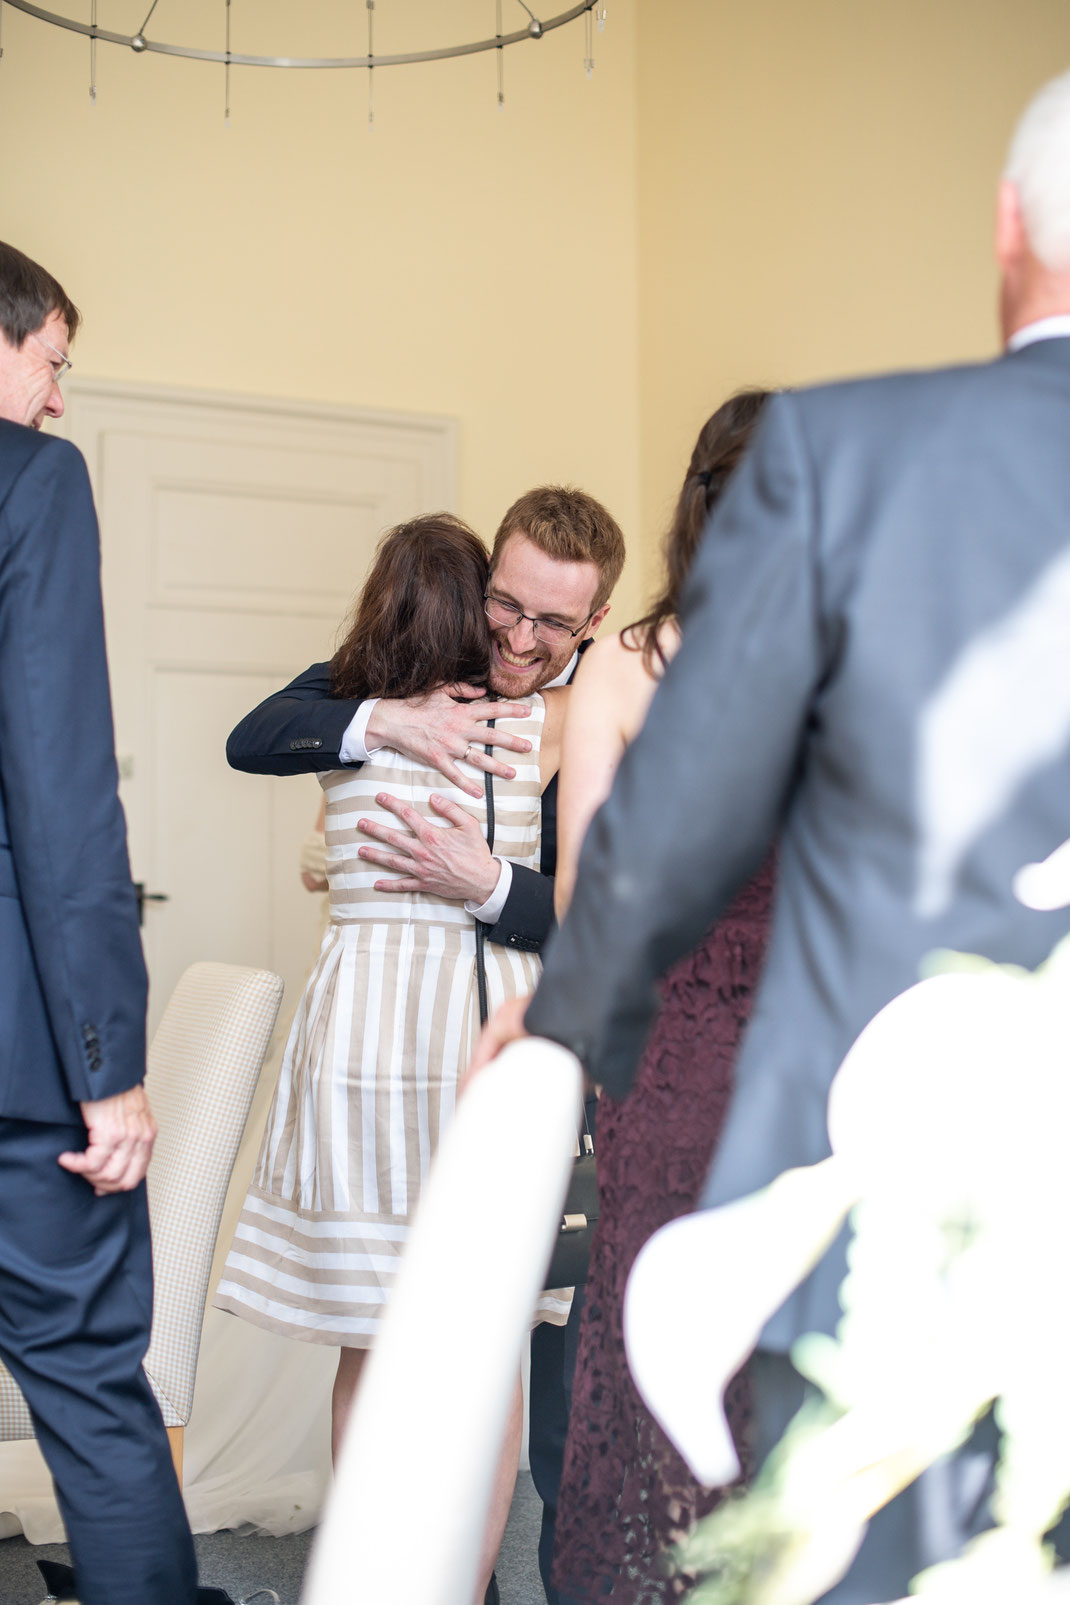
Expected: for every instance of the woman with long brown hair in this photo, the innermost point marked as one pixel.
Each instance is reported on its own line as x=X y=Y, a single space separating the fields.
x=390 y=1011
x=625 y=1492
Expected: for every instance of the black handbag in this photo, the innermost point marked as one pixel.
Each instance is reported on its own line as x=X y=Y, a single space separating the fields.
x=579 y=1217
x=572 y=1246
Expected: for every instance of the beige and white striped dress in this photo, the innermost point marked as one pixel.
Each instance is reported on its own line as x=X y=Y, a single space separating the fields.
x=385 y=1026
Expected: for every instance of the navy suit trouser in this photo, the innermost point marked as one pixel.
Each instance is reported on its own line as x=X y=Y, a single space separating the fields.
x=553 y=1363
x=75 y=1321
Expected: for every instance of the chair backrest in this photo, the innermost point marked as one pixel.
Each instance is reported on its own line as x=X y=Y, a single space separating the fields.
x=204 y=1062
x=15 y=1419
x=436 y=1390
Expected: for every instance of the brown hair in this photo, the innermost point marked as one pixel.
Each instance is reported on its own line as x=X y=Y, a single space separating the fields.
x=570 y=526
x=419 y=621
x=722 y=441
x=27 y=297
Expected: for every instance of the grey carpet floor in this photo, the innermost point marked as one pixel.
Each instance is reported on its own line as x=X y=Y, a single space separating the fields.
x=242 y=1564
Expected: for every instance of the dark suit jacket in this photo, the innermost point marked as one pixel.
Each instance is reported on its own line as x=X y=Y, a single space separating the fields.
x=299 y=730
x=72 y=982
x=875 y=671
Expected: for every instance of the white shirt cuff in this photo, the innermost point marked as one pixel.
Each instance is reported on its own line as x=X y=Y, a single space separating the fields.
x=490 y=912
x=354 y=748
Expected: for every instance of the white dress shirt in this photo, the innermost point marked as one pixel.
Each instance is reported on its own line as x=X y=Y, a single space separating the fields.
x=354 y=749
x=1056 y=327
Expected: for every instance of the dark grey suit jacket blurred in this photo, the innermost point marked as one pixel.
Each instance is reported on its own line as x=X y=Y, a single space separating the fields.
x=875 y=671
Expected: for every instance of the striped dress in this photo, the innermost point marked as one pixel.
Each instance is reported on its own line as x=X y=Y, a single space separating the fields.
x=385 y=1026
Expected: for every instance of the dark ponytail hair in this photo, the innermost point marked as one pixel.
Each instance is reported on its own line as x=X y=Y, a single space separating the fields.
x=419 y=621
x=723 y=439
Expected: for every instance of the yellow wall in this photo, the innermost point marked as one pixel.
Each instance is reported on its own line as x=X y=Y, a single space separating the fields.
x=457 y=260
x=772 y=192
x=816 y=186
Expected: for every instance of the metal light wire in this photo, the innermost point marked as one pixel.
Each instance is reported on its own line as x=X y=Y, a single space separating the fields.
x=501 y=54
x=535 y=29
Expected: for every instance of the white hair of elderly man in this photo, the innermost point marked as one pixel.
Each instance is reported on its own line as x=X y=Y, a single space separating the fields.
x=1038 y=165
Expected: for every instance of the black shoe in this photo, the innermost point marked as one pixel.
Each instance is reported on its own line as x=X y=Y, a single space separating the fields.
x=59 y=1580
x=492 y=1597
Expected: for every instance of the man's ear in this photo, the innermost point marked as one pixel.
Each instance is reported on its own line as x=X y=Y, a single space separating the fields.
x=595 y=620
x=1012 y=241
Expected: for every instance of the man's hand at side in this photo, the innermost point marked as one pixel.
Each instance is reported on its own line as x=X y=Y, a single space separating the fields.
x=121 y=1133
x=438 y=730
x=454 y=862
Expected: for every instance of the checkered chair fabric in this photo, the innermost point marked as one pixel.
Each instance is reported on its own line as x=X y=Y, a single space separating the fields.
x=204 y=1062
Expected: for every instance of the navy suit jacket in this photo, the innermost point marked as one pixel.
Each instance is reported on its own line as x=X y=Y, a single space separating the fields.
x=874 y=672
x=72 y=983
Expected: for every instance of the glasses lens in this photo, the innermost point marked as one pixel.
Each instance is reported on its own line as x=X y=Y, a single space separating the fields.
x=507 y=613
x=551 y=634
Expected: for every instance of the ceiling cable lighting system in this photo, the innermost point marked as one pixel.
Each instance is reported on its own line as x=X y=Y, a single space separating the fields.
x=592 y=11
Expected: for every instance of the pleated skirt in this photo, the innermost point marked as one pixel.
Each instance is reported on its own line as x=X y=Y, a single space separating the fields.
x=368 y=1083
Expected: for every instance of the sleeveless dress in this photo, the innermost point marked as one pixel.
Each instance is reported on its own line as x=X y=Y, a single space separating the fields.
x=385 y=1026
x=625 y=1492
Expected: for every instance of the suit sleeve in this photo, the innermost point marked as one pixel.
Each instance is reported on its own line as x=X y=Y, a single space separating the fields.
x=527 y=917
x=700 y=794
x=295 y=731
x=59 y=777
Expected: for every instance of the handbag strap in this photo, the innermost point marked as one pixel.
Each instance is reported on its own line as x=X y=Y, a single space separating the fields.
x=481 y=929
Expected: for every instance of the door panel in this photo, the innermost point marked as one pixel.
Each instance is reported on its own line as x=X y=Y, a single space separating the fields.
x=234 y=537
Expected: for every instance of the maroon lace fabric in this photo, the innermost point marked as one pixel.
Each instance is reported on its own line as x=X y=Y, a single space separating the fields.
x=626 y=1495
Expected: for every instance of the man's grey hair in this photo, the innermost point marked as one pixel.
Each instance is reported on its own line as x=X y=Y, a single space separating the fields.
x=1038 y=165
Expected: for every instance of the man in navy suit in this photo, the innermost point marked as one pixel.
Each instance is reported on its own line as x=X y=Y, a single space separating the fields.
x=557 y=556
x=76 y=1130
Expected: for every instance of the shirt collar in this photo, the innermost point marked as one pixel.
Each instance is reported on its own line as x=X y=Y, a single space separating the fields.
x=566 y=673
x=1053 y=328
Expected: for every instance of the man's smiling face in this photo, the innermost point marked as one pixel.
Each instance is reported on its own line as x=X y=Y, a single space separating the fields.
x=542 y=587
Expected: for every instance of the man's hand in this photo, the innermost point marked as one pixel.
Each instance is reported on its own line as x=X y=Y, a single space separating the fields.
x=505 y=1025
x=452 y=863
x=121 y=1134
x=438 y=730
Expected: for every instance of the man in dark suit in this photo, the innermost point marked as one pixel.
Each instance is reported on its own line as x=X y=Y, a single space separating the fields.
x=874 y=673
x=76 y=1131
x=557 y=556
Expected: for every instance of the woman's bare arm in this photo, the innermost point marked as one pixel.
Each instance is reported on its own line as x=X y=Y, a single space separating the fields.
x=607 y=704
x=553 y=725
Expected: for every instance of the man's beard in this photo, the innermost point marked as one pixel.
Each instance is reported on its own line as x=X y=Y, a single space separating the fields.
x=545 y=666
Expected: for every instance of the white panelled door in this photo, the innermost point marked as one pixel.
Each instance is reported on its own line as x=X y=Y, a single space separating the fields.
x=235 y=535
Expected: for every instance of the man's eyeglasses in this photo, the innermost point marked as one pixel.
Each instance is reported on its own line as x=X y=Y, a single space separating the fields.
x=548 y=631
x=62 y=365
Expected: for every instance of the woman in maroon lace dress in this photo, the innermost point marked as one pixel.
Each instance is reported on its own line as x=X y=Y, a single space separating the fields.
x=625 y=1493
